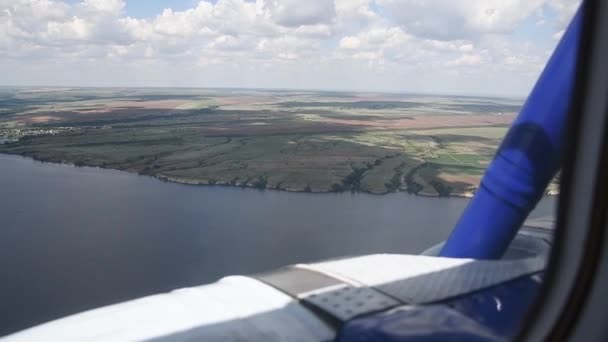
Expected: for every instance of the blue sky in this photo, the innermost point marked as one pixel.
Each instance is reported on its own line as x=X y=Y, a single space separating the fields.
x=151 y=8
x=494 y=47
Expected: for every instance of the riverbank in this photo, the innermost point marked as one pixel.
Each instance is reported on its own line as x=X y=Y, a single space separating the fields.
x=316 y=142
x=204 y=182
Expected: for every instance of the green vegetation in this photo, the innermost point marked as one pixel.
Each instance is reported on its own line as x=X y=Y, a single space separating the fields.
x=296 y=141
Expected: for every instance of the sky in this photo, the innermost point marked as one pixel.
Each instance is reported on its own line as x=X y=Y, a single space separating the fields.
x=472 y=47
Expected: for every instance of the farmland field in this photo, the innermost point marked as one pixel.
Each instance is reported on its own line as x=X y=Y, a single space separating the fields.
x=269 y=139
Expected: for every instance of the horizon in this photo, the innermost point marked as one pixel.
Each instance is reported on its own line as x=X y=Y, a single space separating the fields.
x=312 y=90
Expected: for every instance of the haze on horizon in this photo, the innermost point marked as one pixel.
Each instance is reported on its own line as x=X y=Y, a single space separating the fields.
x=435 y=46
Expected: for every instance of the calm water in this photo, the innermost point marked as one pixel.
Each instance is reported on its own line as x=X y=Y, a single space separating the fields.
x=77 y=238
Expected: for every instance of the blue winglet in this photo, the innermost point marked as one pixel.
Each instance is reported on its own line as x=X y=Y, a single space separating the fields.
x=526 y=161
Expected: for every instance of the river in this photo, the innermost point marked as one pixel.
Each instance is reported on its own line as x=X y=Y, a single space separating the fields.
x=76 y=238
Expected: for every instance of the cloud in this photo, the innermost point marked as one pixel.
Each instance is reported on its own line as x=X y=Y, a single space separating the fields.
x=466 y=47
x=104 y=6
x=565 y=10
x=466 y=60
x=558 y=35
x=350 y=43
x=355 y=15
x=415 y=45
x=450 y=20
x=72 y=29
x=295 y=13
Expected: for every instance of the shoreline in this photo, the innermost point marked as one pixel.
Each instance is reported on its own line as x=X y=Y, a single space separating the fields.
x=185 y=181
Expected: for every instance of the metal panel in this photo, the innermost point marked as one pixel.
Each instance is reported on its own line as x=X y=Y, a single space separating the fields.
x=327 y=295
x=416 y=279
x=346 y=302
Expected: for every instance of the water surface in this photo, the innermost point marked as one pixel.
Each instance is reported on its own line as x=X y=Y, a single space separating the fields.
x=76 y=238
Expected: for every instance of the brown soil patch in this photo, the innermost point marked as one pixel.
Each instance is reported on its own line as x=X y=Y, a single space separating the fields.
x=112 y=106
x=451 y=178
x=42 y=119
x=427 y=121
x=241 y=100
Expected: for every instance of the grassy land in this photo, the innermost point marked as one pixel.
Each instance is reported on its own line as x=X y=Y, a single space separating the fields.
x=298 y=141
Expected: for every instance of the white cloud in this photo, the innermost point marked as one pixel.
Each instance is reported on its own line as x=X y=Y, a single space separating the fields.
x=412 y=45
x=558 y=35
x=355 y=15
x=449 y=20
x=294 y=13
x=466 y=60
x=350 y=43
x=104 y=6
x=73 y=29
x=565 y=10
x=466 y=47
x=514 y=60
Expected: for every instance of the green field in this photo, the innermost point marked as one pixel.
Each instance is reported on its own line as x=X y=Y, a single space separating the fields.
x=288 y=140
